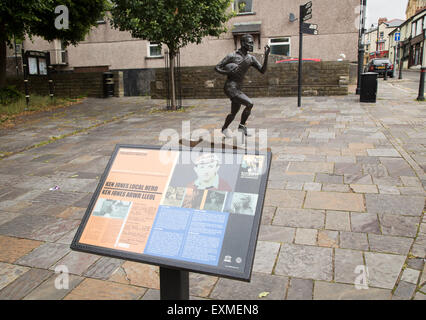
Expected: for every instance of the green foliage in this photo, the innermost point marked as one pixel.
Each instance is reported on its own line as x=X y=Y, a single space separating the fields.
x=9 y=94
x=174 y=23
x=19 y=18
x=83 y=14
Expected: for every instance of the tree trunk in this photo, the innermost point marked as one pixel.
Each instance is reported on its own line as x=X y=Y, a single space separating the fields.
x=3 y=47
x=172 y=80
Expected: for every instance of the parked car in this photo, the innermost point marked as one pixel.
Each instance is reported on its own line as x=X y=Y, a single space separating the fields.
x=294 y=60
x=379 y=66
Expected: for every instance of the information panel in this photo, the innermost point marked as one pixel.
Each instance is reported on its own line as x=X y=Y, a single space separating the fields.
x=197 y=210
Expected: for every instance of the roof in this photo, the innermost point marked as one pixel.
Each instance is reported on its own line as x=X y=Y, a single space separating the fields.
x=247 y=27
x=394 y=23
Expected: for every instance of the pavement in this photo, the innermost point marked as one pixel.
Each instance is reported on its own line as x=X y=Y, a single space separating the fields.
x=343 y=216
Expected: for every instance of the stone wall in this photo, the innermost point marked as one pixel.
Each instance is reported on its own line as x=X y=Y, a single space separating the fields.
x=71 y=84
x=319 y=78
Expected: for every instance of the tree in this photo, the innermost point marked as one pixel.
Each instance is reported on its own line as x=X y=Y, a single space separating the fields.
x=20 y=18
x=174 y=23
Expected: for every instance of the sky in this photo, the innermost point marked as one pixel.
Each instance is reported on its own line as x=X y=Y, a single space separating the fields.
x=391 y=9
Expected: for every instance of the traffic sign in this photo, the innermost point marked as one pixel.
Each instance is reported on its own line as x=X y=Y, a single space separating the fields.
x=309 y=28
x=397 y=36
x=306 y=11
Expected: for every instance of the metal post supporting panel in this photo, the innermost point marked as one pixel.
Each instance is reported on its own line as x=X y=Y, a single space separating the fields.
x=174 y=284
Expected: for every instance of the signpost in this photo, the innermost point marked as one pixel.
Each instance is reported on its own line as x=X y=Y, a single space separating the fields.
x=305 y=15
x=181 y=209
x=397 y=36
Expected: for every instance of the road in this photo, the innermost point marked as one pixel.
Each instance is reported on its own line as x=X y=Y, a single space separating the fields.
x=410 y=80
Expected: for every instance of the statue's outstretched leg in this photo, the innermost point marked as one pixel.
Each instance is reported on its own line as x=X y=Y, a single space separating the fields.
x=248 y=103
x=235 y=107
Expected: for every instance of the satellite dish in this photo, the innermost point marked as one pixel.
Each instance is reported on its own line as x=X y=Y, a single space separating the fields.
x=292 y=17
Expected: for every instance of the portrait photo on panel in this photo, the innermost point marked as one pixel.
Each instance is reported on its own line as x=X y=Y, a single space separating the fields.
x=112 y=208
x=215 y=201
x=193 y=198
x=207 y=172
x=174 y=196
x=252 y=166
x=242 y=203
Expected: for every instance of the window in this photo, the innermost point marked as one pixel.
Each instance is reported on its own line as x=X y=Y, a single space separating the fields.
x=154 y=50
x=382 y=34
x=243 y=6
x=413 y=29
x=280 y=46
x=101 y=19
x=419 y=29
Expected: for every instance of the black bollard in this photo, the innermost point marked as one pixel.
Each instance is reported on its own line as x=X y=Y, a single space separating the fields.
x=386 y=72
x=400 y=69
x=421 y=96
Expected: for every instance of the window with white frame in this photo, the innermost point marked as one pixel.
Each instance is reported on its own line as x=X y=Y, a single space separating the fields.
x=154 y=49
x=280 y=46
x=413 y=29
x=243 y=6
x=419 y=29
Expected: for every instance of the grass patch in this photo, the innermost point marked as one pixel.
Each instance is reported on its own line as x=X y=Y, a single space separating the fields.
x=10 y=111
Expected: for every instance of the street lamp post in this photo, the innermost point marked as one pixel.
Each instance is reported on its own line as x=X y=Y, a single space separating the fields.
x=361 y=50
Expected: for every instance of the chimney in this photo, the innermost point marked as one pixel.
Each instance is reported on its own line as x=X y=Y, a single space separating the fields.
x=381 y=20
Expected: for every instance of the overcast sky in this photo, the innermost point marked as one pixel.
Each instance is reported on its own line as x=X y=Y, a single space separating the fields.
x=391 y=9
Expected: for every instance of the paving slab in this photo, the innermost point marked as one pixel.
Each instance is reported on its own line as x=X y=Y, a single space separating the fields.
x=389 y=244
x=383 y=269
x=410 y=276
x=265 y=256
x=137 y=274
x=276 y=234
x=226 y=289
x=338 y=220
x=306 y=262
x=306 y=236
x=300 y=289
x=299 y=218
x=334 y=201
x=105 y=290
x=14 y=248
x=346 y=263
x=103 y=268
x=339 y=291
x=353 y=240
x=284 y=198
x=76 y=262
x=404 y=291
x=54 y=288
x=365 y=223
x=24 y=284
x=44 y=256
x=201 y=285
x=399 y=225
x=403 y=205
x=9 y=273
